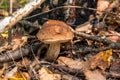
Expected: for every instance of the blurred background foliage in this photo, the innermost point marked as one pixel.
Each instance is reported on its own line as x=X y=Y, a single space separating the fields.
x=3 y=4
x=16 y=3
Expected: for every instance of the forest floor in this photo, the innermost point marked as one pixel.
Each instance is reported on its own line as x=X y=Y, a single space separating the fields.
x=92 y=51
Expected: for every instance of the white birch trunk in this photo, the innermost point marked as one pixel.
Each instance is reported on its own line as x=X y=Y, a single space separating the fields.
x=10 y=21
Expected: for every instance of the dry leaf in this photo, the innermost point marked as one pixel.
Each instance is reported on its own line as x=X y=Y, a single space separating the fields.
x=70 y=63
x=69 y=77
x=15 y=79
x=3 y=12
x=111 y=35
x=45 y=74
x=3 y=69
x=94 y=75
x=14 y=75
x=3 y=78
x=86 y=27
x=101 y=60
x=102 y=5
x=26 y=75
x=10 y=74
x=21 y=76
x=115 y=36
x=90 y=75
x=18 y=42
x=25 y=62
x=115 y=68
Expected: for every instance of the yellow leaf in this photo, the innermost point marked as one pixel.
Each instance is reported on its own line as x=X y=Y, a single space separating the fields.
x=5 y=34
x=107 y=55
x=101 y=60
x=15 y=79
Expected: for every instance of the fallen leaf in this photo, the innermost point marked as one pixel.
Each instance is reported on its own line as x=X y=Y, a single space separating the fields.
x=94 y=75
x=21 y=76
x=115 y=68
x=3 y=12
x=102 y=5
x=90 y=75
x=25 y=62
x=69 y=77
x=64 y=61
x=3 y=69
x=18 y=42
x=115 y=36
x=10 y=74
x=46 y=74
x=15 y=79
x=110 y=35
x=26 y=75
x=4 y=34
x=101 y=60
x=86 y=27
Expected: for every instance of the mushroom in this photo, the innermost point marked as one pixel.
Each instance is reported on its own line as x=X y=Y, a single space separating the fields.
x=54 y=32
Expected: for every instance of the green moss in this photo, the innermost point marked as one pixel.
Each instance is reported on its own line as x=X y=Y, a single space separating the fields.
x=4 y=4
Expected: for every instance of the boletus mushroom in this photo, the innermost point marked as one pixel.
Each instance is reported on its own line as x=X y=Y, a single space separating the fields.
x=54 y=32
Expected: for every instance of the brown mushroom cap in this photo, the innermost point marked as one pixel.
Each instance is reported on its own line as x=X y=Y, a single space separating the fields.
x=55 y=31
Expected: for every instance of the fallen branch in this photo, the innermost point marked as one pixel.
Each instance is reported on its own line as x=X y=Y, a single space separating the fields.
x=23 y=51
x=10 y=21
x=111 y=44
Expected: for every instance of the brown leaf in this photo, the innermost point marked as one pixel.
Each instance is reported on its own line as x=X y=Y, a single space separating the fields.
x=21 y=76
x=3 y=69
x=102 y=5
x=115 y=36
x=69 y=77
x=70 y=63
x=26 y=75
x=94 y=75
x=115 y=68
x=46 y=74
x=24 y=62
x=111 y=35
x=86 y=27
x=101 y=60
x=18 y=42
x=90 y=75
x=3 y=12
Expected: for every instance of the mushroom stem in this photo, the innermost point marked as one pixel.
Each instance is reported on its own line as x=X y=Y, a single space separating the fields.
x=53 y=52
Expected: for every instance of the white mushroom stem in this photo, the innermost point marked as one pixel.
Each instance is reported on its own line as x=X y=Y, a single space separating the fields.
x=53 y=52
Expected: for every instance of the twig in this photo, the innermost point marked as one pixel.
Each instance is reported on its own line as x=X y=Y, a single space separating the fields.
x=66 y=7
x=60 y=68
x=91 y=49
x=67 y=69
x=8 y=56
x=59 y=8
x=111 y=44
